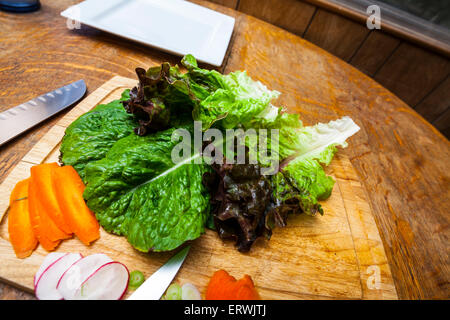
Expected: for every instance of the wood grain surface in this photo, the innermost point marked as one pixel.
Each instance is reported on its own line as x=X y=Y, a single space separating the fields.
x=343 y=32
x=336 y=34
x=436 y=102
x=411 y=32
x=442 y=123
x=291 y=15
x=338 y=255
x=429 y=71
x=400 y=159
x=374 y=51
x=227 y=3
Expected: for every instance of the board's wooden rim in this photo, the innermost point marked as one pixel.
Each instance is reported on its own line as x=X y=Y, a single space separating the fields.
x=367 y=243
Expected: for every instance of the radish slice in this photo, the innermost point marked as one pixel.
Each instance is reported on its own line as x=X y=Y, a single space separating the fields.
x=48 y=260
x=109 y=282
x=77 y=274
x=46 y=284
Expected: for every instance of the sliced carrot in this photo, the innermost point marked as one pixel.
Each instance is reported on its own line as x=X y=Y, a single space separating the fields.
x=42 y=182
x=246 y=289
x=47 y=244
x=35 y=223
x=45 y=229
x=48 y=226
x=69 y=190
x=223 y=286
x=220 y=286
x=20 y=230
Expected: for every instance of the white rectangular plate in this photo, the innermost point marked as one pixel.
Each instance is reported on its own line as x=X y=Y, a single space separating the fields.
x=175 y=26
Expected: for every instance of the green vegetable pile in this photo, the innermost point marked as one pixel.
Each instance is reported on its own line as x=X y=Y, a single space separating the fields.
x=122 y=151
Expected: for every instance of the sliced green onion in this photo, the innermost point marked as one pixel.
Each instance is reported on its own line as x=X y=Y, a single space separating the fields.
x=190 y=292
x=173 y=292
x=136 y=279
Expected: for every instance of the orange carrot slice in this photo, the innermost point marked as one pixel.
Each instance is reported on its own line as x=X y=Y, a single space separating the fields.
x=20 y=230
x=45 y=229
x=223 y=286
x=42 y=182
x=69 y=190
x=245 y=289
x=220 y=286
x=47 y=244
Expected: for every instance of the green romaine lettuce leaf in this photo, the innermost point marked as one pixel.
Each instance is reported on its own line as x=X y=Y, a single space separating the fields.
x=132 y=185
x=319 y=141
x=313 y=147
x=234 y=99
x=138 y=192
x=91 y=136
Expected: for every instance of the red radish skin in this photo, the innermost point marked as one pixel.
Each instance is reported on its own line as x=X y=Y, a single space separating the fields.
x=47 y=282
x=108 y=282
x=77 y=274
x=48 y=260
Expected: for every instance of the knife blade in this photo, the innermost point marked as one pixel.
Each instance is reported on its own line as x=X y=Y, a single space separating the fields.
x=23 y=117
x=154 y=287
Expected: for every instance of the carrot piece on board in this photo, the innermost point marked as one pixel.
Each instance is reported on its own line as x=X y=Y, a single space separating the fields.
x=246 y=289
x=220 y=286
x=48 y=234
x=47 y=244
x=20 y=230
x=42 y=181
x=223 y=286
x=69 y=191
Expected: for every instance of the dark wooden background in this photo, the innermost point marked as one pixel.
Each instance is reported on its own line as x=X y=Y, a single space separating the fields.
x=416 y=74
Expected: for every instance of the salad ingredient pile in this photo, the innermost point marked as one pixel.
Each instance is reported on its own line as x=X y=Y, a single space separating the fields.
x=122 y=151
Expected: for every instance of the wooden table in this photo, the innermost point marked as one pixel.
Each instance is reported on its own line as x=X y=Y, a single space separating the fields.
x=402 y=161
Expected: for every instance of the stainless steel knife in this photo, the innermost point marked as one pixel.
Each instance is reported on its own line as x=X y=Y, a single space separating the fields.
x=19 y=119
x=154 y=287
